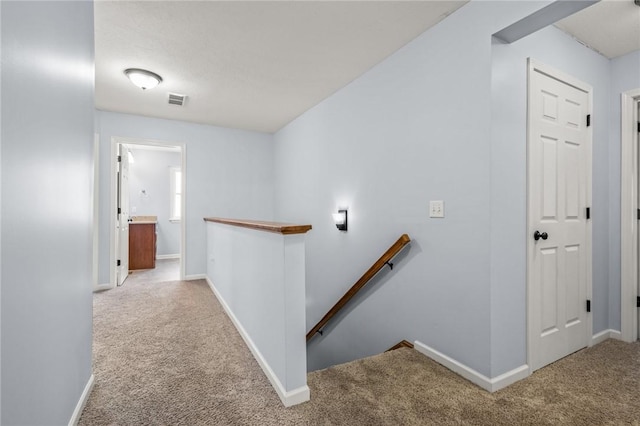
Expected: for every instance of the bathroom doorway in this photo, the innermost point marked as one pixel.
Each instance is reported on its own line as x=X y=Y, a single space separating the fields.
x=148 y=205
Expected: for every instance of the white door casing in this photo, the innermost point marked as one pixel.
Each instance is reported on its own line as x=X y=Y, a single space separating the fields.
x=116 y=141
x=636 y=285
x=123 y=215
x=629 y=291
x=95 y=200
x=559 y=192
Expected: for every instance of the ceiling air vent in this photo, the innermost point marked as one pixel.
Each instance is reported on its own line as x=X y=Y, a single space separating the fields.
x=175 y=99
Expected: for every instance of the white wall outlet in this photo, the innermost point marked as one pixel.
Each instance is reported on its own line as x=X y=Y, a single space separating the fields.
x=436 y=208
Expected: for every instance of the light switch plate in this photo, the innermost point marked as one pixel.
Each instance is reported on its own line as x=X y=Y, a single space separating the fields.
x=436 y=208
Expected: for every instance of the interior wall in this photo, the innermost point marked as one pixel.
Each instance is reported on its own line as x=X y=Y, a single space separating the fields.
x=150 y=173
x=509 y=183
x=47 y=150
x=625 y=75
x=229 y=173
x=415 y=128
x=394 y=139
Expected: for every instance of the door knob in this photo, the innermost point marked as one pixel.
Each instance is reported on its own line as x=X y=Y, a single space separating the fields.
x=537 y=235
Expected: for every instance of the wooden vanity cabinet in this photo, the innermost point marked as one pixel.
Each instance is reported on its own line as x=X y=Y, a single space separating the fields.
x=142 y=246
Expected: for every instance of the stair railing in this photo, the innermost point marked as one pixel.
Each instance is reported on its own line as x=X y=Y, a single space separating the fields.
x=385 y=259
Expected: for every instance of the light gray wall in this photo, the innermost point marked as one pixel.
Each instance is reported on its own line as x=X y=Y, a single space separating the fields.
x=414 y=128
x=625 y=75
x=509 y=183
x=417 y=127
x=259 y=276
x=229 y=173
x=47 y=143
x=150 y=172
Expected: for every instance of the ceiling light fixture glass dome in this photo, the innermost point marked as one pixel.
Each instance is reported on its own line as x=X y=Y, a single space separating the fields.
x=142 y=78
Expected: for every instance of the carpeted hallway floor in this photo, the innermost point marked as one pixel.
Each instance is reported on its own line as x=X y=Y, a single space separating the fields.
x=166 y=354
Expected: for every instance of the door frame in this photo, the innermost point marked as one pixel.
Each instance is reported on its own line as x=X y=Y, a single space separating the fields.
x=115 y=140
x=533 y=66
x=95 y=201
x=121 y=149
x=628 y=220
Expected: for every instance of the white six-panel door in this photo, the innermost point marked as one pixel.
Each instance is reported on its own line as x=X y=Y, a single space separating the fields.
x=559 y=247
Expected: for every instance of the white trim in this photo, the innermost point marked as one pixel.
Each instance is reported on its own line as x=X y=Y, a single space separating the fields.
x=615 y=334
x=168 y=256
x=605 y=335
x=194 y=277
x=561 y=76
x=115 y=140
x=173 y=171
x=491 y=385
x=600 y=337
x=82 y=402
x=95 y=195
x=510 y=377
x=288 y=398
x=102 y=287
x=628 y=220
x=183 y=223
x=113 y=177
x=534 y=65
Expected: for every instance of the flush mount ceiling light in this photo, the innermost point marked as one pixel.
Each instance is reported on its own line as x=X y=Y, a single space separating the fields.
x=142 y=78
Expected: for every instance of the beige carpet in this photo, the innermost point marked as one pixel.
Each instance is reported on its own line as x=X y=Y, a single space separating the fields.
x=166 y=354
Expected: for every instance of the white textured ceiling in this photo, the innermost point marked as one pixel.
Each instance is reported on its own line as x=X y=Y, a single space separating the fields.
x=247 y=65
x=257 y=65
x=611 y=27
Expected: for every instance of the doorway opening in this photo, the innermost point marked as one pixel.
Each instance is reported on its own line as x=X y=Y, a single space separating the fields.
x=147 y=207
x=629 y=215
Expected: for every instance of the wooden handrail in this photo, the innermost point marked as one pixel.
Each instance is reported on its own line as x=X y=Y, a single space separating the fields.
x=364 y=279
x=261 y=225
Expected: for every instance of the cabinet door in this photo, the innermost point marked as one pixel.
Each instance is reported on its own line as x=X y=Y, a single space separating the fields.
x=142 y=246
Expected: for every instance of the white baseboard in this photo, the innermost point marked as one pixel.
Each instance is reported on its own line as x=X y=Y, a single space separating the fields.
x=82 y=402
x=472 y=375
x=509 y=378
x=615 y=334
x=168 y=256
x=604 y=335
x=288 y=398
x=101 y=287
x=195 y=277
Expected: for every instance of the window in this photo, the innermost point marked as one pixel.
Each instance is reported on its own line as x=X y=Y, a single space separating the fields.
x=175 y=196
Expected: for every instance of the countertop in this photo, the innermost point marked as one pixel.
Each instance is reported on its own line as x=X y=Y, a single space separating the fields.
x=144 y=220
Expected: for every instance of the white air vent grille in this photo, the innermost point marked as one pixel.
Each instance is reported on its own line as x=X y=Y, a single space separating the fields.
x=175 y=99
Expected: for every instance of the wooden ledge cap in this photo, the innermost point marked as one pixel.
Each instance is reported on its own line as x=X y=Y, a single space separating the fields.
x=276 y=227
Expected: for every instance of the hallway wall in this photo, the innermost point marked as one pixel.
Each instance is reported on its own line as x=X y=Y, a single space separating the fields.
x=229 y=173
x=418 y=127
x=46 y=175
